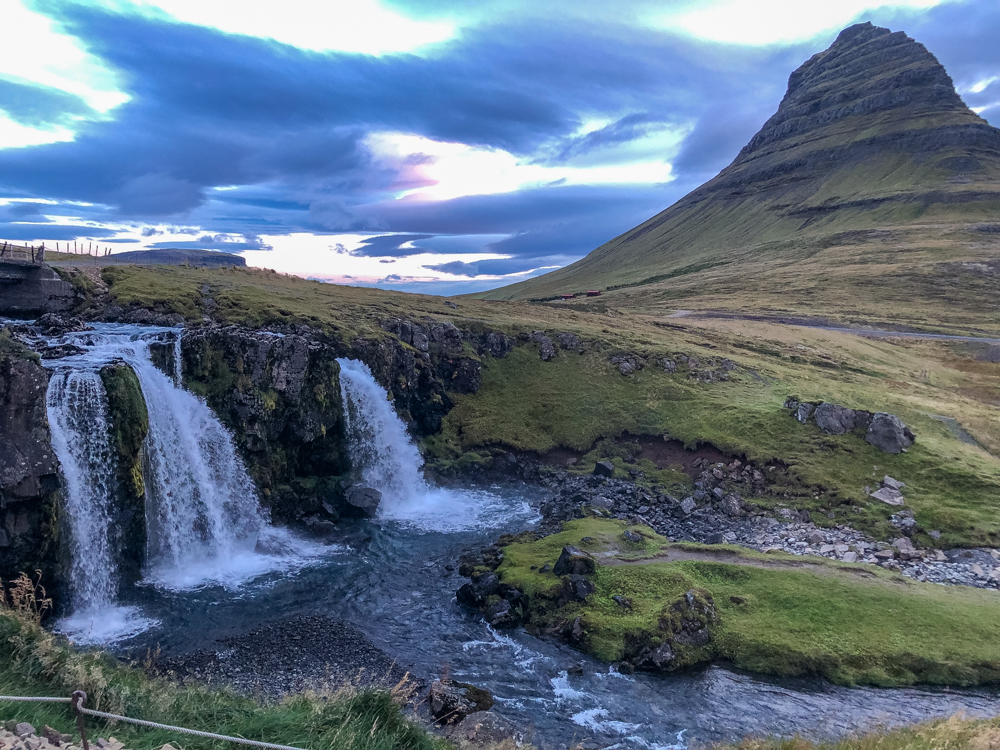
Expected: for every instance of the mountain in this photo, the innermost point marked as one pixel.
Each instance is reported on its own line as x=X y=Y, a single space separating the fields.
x=873 y=183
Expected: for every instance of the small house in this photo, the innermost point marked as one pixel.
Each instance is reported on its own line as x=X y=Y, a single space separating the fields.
x=594 y=293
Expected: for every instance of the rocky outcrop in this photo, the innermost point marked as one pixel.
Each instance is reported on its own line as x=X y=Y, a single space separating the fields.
x=29 y=480
x=280 y=396
x=450 y=701
x=129 y=427
x=884 y=431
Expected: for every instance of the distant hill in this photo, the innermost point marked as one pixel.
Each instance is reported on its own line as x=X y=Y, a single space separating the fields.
x=873 y=189
x=168 y=256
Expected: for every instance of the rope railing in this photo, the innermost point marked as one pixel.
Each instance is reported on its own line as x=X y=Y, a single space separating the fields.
x=79 y=698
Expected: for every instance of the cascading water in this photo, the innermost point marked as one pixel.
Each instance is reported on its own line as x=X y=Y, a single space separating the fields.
x=203 y=517
x=78 y=421
x=387 y=460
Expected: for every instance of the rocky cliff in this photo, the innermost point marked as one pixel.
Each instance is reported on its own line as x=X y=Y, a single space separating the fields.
x=29 y=481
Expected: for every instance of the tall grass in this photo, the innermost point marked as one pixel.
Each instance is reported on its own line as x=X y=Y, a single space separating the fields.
x=33 y=662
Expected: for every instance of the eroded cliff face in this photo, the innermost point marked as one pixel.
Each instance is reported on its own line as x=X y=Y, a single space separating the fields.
x=29 y=478
x=279 y=393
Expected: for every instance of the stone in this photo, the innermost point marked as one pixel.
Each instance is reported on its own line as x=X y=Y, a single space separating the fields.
x=817 y=537
x=888 y=433
x=627 y=363
x=995 y=574
x=365 y=499
x=977 y=570
x=546 y=349
x=668 y=365
x=573 y=561
x=906 y=549
x=995 y=554
x=893 y=483
x=834 y=419
x=501 y=614
x=688 y=505
x=575 y=588
x=450 y=701
x=732 y=506
x=475 y=593
x=718 y=492
x=622 y=601
x=850 y=557
x=485 y=729
x=889 y=496
x=604 y=469
x=656 y=658
x=803 y=411
x=24 y=729
x=54 y=737
x=631 y=536
x=826 y=549
x=885 y=554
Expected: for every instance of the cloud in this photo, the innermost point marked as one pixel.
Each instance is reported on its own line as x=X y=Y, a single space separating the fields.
x=217 y=242
x=37 y=106
x=388 y=245
x=53 y=232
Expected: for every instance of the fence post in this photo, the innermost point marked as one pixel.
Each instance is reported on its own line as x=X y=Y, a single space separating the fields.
x=77 y=700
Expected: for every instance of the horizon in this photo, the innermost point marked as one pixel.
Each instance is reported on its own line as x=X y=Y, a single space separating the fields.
x=426 y=148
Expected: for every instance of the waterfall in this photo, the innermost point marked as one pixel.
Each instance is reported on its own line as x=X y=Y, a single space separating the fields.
x=203 y=517
x=78 y=421
x=177 y=360
x=386 y=458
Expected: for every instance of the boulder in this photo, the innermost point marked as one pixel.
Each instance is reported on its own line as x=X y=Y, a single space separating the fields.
x=365 y=499
x=501 y=614
x=835 y=419
x=906 y=549
x=604 y=469
x=889 y=496
x=732 y=505
x=627 y=363
x=475 y=593
x=24 y=729
x=451 y=701
x=631 y=536
x=486 y=729
x=888 y=433
x=575 y=588
x=802 y=412
x=656 y=658
x=668 y=365
x=573 y=561
x=546 y=349
x=688 y=505
x=894 y=483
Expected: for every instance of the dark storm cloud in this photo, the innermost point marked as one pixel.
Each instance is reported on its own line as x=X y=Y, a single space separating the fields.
x=498 y=266
x=24 y=211
x=389 y=246
x=9 y=231
x=39 y=105
x=217 y=242
x=212 y=109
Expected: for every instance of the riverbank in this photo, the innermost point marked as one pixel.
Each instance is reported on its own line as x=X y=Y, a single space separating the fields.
x=623 y=593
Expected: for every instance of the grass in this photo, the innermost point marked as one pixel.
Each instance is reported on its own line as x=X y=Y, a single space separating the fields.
x=34 y=662
x=955 y=733
x=778 y=614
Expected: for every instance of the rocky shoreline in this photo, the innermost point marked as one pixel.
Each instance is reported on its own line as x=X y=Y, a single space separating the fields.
x=288 y=656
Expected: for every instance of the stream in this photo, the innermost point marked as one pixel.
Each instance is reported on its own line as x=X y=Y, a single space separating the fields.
x=239 y=572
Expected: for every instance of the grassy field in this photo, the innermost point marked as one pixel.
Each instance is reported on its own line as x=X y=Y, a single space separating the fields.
x=575 y=401
x=955 y=733
x=778 y=614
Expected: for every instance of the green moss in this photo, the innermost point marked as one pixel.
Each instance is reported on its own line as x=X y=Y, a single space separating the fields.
x=778 y=614
x=11 y=348
x=129 y=426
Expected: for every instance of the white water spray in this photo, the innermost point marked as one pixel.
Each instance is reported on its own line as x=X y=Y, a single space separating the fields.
x=388 y=460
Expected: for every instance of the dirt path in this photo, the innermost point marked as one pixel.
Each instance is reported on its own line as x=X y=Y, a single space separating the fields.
x=676 y=554
x=806 y=323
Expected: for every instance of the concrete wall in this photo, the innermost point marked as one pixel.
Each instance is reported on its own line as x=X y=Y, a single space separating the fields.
x=29 y=289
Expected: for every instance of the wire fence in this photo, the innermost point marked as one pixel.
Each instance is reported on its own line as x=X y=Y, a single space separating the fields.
x=79 y=698
x=22 y=253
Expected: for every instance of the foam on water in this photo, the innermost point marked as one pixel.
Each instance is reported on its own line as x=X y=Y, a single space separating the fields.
x=104 y=625
x=387 y=460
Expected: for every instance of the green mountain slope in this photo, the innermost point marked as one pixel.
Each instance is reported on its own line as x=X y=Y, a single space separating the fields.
x=872 y=159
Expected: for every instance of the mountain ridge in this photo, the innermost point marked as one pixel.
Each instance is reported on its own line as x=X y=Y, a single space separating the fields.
x=870 y=136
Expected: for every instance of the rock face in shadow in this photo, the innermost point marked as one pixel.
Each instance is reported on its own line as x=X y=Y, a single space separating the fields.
x=129 y=427
x=280 y=396
x=29 y=470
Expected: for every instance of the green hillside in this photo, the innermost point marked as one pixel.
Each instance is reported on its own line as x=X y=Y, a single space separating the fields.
x=872 y=187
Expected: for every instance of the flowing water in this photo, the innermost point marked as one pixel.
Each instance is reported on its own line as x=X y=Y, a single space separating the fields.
x=206 y=581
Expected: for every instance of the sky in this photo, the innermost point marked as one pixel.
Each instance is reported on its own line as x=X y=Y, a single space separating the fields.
x=434 y=146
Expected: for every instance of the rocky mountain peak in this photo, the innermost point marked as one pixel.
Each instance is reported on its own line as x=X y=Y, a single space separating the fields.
x=870 y=77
